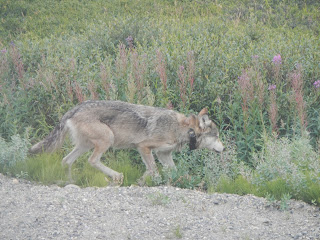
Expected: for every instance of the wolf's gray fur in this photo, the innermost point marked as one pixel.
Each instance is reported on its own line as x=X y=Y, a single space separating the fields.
x=104 y=124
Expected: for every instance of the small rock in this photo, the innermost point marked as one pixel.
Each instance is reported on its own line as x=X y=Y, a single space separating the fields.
x=72 y=186
x=264 y=220
x=15 y=181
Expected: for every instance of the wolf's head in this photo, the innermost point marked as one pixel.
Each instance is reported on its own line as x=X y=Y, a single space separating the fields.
x=207 y=134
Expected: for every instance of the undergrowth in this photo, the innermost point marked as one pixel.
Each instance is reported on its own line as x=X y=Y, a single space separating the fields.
x=285 y=167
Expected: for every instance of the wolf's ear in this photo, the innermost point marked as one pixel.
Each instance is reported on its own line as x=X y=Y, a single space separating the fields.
x=204 y=121
x=204 y=111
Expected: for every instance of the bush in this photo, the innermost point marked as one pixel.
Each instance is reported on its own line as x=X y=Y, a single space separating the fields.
x=13 y=152
x=201 y=169
x=288 y=167
x=190 y=170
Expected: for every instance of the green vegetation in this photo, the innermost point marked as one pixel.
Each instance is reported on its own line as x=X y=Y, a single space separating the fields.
x=159 y=199
x=254 y=64
x=283 y=168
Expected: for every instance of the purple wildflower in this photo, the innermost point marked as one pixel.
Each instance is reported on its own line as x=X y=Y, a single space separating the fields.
x=130 y=41
x=272 y=87
x=255 y=57
x=316 y=84
x=12 y=44
x=4 y=50
x=277 y=59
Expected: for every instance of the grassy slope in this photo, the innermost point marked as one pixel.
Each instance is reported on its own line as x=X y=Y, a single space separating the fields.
x=40 y=19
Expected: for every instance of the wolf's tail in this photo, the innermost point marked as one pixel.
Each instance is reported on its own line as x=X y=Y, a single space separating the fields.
x=52 y=142
x=55 y=139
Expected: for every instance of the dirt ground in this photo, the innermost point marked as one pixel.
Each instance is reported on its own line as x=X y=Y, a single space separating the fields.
x=32 y=211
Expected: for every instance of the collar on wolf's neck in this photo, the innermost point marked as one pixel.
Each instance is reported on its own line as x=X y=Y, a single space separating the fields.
x=192 y=139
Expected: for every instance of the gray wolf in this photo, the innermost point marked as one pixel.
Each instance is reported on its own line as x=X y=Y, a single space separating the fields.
x=104 y=124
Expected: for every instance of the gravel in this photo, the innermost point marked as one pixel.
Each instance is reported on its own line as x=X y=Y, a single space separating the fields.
x=33 y=211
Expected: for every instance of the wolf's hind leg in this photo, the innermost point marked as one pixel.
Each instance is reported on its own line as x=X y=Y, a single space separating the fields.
x=102 y=138
x=71 y=157
x=94 y=160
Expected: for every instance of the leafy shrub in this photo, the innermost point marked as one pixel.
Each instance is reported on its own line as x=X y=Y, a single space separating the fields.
x=223 y=165
x=190 y=169
x=13 y=152
x=287 y=167
x=283 y=168
x=201 y=169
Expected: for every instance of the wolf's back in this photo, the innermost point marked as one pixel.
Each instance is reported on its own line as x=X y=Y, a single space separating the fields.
x=112 y=113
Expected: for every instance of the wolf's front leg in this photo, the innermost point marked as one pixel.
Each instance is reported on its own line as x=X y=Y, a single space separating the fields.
x=166 y=159
x=148 y=159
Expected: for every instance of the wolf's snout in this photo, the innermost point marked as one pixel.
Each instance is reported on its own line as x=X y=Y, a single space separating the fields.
x=218 y=146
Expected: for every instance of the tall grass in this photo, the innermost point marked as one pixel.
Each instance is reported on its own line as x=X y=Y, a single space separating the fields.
x=47 y=169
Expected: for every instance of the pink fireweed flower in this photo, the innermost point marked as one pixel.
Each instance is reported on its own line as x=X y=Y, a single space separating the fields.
x=277 y=59
x=130 y=42
x=272 y=87
x=316 y=84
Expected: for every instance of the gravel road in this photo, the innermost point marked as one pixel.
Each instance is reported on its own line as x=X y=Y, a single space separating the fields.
x=31 y=211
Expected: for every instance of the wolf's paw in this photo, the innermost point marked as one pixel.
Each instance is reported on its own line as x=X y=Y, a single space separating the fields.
x=116 y=180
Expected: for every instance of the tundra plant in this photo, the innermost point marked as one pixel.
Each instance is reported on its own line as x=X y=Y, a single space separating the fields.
x=203 y=169
x=292 y=163
x=14 y=151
